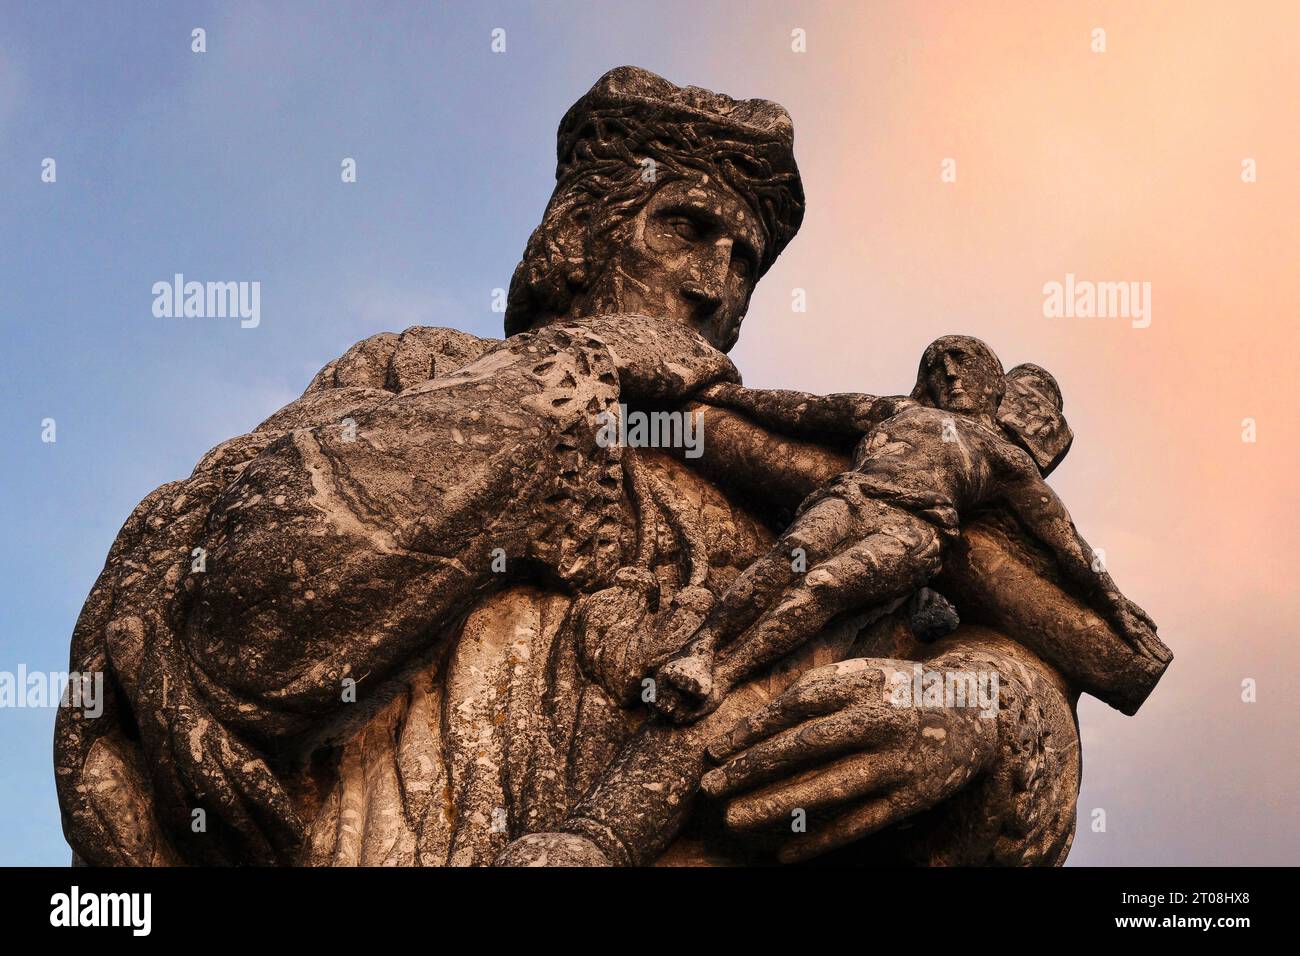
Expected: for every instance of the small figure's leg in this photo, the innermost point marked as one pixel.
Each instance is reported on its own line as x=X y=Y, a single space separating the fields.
x=814 y=537
x=881 y=568
x=859 y=556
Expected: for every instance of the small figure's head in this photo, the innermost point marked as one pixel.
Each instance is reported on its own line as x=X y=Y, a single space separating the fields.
x=669 y=201
x=959 y=373
x=1032 y=413
x=1035 y=385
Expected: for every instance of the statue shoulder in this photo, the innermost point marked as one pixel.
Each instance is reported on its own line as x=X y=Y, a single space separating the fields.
x=395 y=361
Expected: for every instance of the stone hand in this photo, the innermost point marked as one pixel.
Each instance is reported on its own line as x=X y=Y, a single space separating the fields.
x=834 y=747
x=658 y=360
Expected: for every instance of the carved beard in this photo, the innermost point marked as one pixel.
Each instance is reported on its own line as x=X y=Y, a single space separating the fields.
x=608 y=296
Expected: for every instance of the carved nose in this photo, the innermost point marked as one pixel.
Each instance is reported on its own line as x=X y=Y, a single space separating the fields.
x=705 y=299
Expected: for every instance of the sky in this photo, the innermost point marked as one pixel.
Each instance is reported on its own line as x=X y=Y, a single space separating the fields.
x=1122 y=164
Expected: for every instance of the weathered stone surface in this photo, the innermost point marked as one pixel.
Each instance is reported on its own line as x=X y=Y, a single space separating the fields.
x=427 y=615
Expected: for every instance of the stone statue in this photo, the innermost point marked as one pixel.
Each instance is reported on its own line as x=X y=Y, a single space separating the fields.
x=881 y=527
x=427 y=615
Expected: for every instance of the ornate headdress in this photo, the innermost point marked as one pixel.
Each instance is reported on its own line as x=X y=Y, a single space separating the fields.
x=630 y=116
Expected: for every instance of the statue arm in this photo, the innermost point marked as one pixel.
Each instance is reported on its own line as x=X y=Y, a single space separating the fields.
x=843 y=416
x=998 y=575
x=419 y=509
x=1044 y=516
x=773 y=471
x=775 y=447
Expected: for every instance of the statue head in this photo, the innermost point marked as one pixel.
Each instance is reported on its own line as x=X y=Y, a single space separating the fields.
x=669 y=201
x=960 y=374
x=1032 y=413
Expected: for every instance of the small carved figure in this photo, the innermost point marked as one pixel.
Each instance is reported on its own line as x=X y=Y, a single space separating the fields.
x=938 y=457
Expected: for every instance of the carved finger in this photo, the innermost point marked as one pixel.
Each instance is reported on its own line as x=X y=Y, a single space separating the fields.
x=812 y=741
x=845 y=779
x=819 y=692
x=862 y=821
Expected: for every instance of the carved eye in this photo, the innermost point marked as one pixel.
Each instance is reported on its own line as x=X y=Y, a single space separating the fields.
x=685 y=228
x=741 y=266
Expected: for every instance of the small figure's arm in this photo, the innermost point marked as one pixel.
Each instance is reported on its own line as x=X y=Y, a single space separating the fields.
x=1044 y=516
x=844 y=415
x=776 y=447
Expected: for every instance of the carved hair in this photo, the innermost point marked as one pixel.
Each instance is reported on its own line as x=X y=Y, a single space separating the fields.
x=603 y=181
x=1040 y=375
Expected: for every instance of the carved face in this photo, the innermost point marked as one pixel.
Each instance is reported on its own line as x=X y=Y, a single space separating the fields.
x=691 y=253
x=961 y=377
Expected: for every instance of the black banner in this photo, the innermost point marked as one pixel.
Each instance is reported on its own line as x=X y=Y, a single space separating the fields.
x=363 y=907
